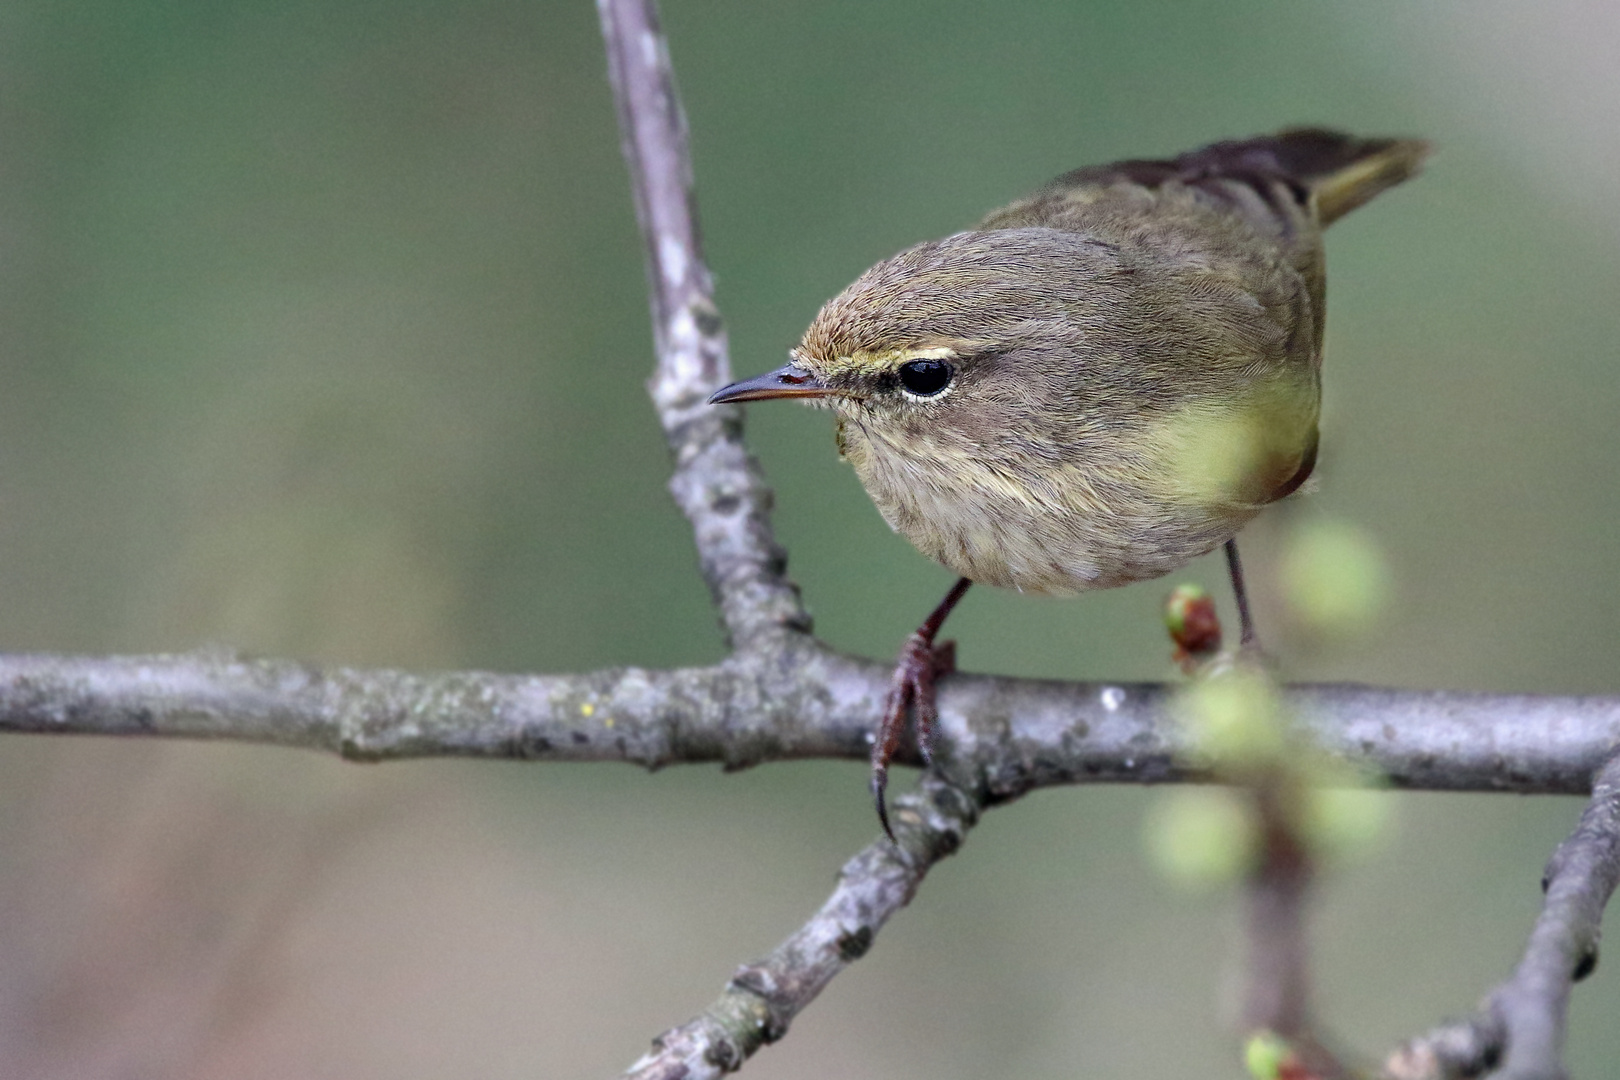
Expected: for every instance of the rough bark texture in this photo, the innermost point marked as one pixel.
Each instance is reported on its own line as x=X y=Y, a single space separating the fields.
x=717 y=483
x=998 y=737
x=764 y=996
x=1520 y=1032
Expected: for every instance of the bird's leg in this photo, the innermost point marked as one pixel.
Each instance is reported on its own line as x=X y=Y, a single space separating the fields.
x=1234 y=565
x=921 y=663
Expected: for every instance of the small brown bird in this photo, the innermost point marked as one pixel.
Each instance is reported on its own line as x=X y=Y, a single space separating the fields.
x=1094 y=385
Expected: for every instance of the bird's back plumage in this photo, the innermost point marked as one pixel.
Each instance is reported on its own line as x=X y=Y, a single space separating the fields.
x=1302 y=172
x=1285 y=188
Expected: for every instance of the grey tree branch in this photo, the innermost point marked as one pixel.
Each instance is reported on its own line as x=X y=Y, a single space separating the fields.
x=716 y=482
x=763 y=997
x=782 y=695
x=998 y=737
x=1278 y=997
x=1522 y=1024
x=720 y=489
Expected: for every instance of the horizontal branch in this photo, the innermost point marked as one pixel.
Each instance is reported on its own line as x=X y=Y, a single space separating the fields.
x=998 y=737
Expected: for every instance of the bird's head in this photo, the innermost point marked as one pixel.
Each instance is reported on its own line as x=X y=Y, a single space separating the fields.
x=956 y=335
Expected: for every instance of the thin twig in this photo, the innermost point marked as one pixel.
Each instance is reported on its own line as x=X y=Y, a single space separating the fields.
x=1278 y=999
x=717 y=483
x=763 y=997
x=1522 y=1025
x=1278 y=990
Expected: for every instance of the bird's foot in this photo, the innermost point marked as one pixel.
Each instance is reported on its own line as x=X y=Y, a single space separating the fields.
x=1249 y=656
x=911 y=687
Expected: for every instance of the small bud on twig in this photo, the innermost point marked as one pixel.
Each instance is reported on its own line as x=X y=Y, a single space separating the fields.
x=1194 y=625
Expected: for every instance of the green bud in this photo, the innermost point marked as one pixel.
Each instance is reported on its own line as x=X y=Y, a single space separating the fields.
x=1266 y=1055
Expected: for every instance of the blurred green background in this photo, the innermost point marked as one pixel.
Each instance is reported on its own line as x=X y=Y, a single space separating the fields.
x=323 y=333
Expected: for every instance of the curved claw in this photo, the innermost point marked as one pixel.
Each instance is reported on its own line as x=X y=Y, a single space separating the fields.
x=880 y=782
x=911 y=686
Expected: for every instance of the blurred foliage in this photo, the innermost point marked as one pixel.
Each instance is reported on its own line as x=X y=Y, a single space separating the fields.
x=1334 y=578
x=1236 y=720
x=324 y=334
x=1201 y=836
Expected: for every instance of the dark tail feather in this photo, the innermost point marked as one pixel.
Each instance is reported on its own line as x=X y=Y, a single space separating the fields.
x=1339 y=171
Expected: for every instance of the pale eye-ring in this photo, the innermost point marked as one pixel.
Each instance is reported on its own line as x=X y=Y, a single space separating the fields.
x=925 y=378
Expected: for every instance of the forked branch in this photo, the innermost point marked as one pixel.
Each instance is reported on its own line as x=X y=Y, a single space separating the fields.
x=719 y=487
x=1520 y=1031
x=781 y=694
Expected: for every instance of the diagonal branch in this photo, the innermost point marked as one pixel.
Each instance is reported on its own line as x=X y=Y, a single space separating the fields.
x=764 y=996
x=1520 y=1032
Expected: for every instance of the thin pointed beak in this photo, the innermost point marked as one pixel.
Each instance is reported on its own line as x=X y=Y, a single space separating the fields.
x=787 y=381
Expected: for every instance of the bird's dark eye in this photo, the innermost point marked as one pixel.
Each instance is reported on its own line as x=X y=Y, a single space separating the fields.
x=925 y=378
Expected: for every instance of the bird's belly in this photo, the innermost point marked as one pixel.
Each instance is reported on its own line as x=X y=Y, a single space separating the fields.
x=1134 y=506
x=1052 y=550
